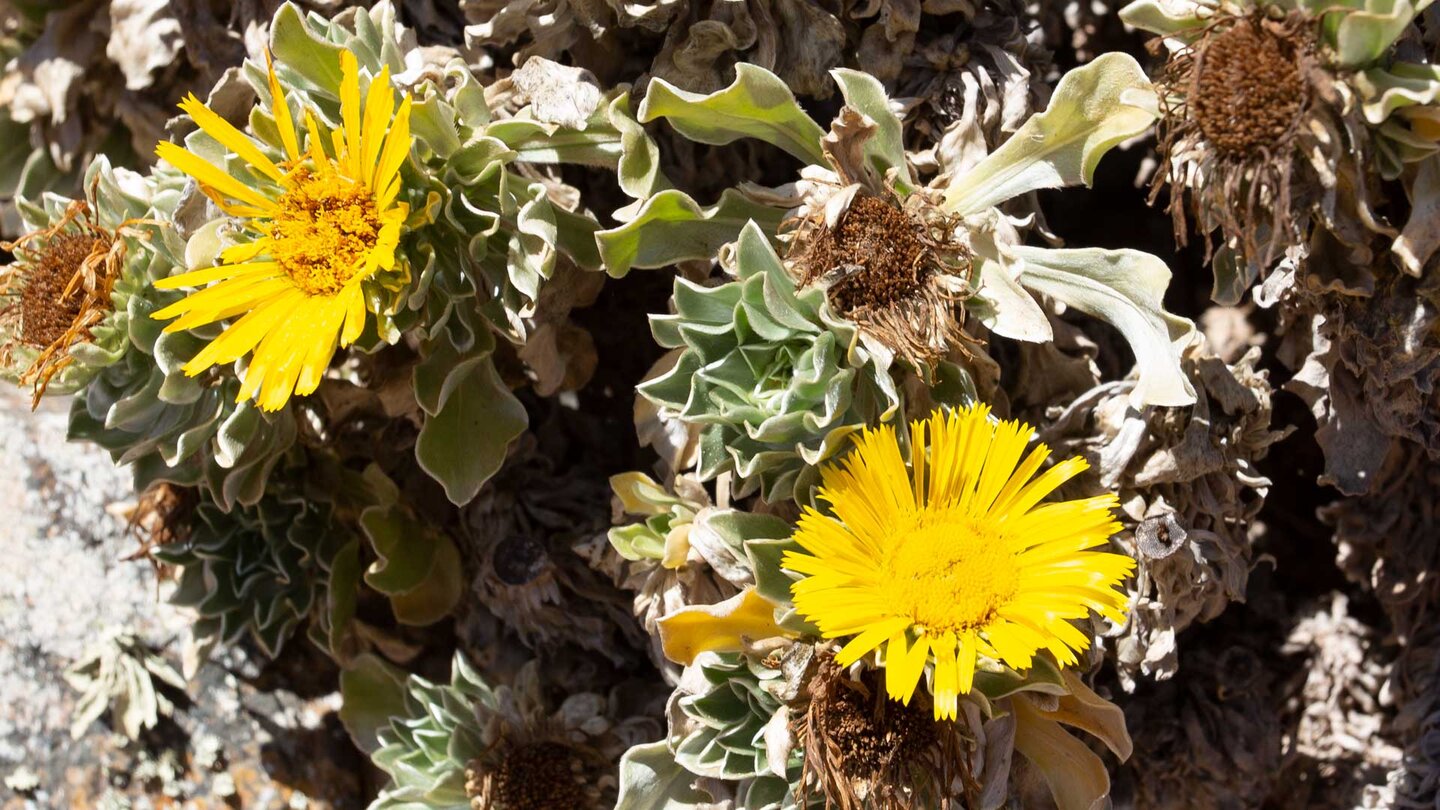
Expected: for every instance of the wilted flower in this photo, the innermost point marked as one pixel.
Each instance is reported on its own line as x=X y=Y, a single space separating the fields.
x=57 y=292
x=955 y=560
x=1270 y=117
x=62 y=318
x=319 y=226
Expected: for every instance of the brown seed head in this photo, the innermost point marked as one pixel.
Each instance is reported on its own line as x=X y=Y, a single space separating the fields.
x=1249 y=89
x=863 y=750
x=47 y=310
x=885 y=268
x=532 y=776
x=879 y=247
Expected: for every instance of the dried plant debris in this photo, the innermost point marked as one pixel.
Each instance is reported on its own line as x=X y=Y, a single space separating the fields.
x=909 y=479
x=1210 y=736
x=1366 y=350
x=1341 y=735
x=1190 y=490
x=121 y=674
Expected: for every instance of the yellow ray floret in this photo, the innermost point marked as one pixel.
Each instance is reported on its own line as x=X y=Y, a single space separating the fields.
x=316 y=226
x=954 y=557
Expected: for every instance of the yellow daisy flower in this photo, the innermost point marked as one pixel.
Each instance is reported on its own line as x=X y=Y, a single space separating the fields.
x=319 y=223
x=956 y=558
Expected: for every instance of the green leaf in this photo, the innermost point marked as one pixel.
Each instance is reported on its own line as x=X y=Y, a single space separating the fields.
x=1362 y=34
x=1076 y=776
x=465 y=441
x=672 y=227
x=372 y=692
x=294 y=45
x=651 y=779
x=1403 y=85
x=1126 y=289
x=765 y=555
x=405 y=550
x=757 y=105
x=1094 y=108
x=886 y=150
x=1168 y=20
x=436 y=595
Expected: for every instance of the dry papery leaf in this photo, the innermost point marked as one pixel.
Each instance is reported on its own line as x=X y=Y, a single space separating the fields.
x=1190 y=490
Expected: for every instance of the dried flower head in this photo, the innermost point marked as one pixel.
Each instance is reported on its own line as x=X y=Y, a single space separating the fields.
x=57 y=290
x=1235 y=104
x=863 y=750
x=895 y=271
x=543 y=774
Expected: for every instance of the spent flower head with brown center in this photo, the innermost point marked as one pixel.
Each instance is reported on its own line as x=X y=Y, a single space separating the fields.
x=1277 y=117
x=58 y=291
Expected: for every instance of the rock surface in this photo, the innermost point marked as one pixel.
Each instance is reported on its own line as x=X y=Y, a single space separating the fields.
x=233 y=741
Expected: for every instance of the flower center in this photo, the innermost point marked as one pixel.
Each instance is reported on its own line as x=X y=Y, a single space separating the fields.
x=878 y=247
x=539 y=776
x=1248 y=89
x=46 y=313
x=950 y=575
x=325 y=231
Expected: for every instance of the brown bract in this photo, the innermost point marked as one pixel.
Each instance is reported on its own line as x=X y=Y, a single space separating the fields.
x=885 y=268
x=57 y=290
x=863 y=750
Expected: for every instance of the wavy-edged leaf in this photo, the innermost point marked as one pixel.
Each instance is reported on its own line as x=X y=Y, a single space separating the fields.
x=464 y=442
x=1126 y=289
x=886 y=149
x=651 y=779
x=721 y=627
x=672 y=227
x=756 y=105
x=1094 y=108
x=1076 y=776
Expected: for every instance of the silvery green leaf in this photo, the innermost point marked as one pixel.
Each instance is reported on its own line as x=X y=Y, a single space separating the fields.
x=651 y=779
x=1124 y=288
x=1385 y=90
x=1004 y=307
x=466 y=439
x=671 y=227
x=756 y=105
x=1181 y=20
x=1094 y=107
x=1362 y=31
x=301 y=51
x=886 y=149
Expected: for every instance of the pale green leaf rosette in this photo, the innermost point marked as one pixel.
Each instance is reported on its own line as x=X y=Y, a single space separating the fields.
x=259 y=571
x=493 y=741
x=775 y=380
x=425 y=739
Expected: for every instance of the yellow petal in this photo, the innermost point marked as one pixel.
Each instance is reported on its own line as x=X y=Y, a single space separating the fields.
x=349 y=157
x=230 y=137
x=379 y=104
x=280 y=111
x=197 y=278
x=397 y=148
x=722 y=627
x=211 y=175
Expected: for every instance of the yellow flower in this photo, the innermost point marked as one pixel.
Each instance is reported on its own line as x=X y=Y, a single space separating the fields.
x=956 y=558
x=319 y=223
